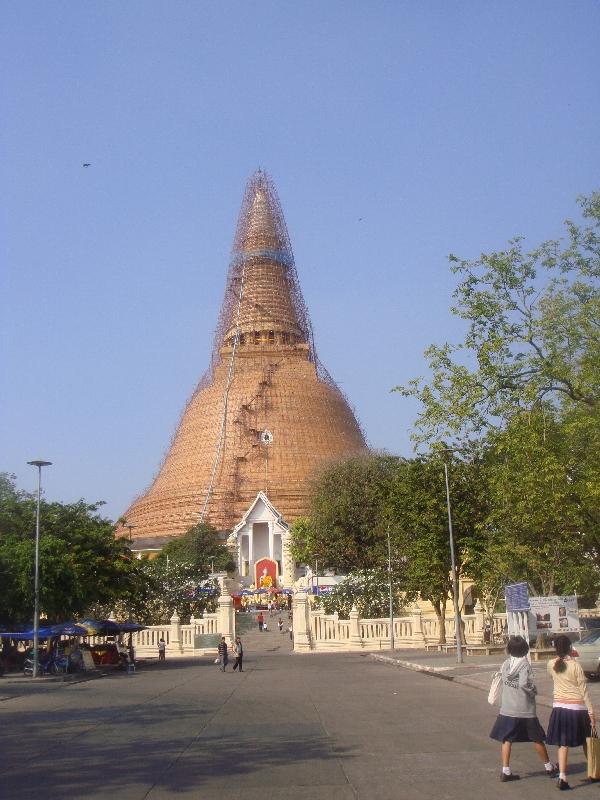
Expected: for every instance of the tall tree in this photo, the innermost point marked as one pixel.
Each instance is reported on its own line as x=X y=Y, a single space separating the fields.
x=80 y=560
x=347 y=524
x=417 y=513
x=201 y=549
x=536 y=510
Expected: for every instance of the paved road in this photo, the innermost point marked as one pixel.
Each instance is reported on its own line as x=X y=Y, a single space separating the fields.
x=291 y=726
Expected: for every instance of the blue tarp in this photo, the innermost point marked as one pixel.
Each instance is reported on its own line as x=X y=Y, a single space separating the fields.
x=105 y=627
x=46 y=632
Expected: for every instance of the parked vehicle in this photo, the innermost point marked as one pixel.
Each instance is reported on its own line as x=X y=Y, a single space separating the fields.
x=589 y=654
x=52 y=664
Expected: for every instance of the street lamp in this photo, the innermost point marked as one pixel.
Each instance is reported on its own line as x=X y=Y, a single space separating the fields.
x=36 y=582
x=457 y=617
x=129 y=527
x=390 y=588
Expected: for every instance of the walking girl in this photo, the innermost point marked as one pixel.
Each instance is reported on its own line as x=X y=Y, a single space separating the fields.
x=517 y=721
x=572 y=714
x=239 y=654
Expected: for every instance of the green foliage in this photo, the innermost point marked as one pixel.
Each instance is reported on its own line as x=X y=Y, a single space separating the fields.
x=537 y=513
x=367 y=591
x=174 y=582
x=347 y=528
x=525 y=386
x=200 y=548
x=418 y=511
x=80 y=560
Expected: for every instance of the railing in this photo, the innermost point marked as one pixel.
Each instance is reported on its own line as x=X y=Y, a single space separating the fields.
x=328 y=632
x=179 y=639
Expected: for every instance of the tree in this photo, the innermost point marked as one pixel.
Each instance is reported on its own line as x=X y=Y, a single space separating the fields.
x=201 y=549
x=368 y=591
x=417 y=514
x=346 y=529
x=80 y=560
x=536 y=510
x=177 y=580
x=525 y=384
x=533 y=336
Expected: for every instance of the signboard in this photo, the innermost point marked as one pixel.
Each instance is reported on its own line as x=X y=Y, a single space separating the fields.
x=553 y=614
x=517 y=597
x=204 y=641
x=87 y=661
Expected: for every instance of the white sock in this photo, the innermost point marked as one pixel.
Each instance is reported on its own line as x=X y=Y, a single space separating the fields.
x=563 y=776
x=549 y=766
x=506 y=770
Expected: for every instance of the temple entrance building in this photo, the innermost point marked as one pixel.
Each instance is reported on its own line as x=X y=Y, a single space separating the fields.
x=259 y=544
x=265 y=417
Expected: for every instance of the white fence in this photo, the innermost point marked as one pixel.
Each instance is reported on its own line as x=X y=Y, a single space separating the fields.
x=315 y=630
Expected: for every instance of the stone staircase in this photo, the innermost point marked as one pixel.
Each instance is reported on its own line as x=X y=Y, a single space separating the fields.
x=269 y=641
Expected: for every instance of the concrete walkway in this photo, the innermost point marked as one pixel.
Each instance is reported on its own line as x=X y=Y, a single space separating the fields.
x=475 y=671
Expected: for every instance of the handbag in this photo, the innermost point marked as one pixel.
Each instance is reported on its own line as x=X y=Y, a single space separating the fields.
x=495 y=692
x=593 y=755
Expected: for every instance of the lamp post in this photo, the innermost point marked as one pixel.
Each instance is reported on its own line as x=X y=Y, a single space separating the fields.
x=391 y=593
x=130 y=527
x=457 y=617
x=36 y=581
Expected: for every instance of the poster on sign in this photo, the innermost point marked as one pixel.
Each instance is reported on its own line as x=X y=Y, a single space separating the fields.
x=553 y=614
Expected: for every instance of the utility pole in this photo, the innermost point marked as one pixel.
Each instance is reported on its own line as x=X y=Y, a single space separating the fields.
x=457 y=617
x=391 y=592
x=36 y=581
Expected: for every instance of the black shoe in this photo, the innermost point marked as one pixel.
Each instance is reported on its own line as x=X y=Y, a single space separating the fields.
x=553 y=772
x=562 y=785
x=512 y=777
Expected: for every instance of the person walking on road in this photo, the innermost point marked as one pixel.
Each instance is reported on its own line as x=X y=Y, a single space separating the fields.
x=517 y=720
x=239 y=654
x=222 y=654
x=572 y=714
x=261 y=620
x=162 y=647
x=280 y=624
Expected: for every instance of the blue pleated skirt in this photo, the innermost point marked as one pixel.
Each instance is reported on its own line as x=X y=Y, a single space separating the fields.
x=568 y=728
x=517 y=729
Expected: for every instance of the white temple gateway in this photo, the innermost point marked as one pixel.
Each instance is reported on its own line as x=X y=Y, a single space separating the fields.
x=260 y=546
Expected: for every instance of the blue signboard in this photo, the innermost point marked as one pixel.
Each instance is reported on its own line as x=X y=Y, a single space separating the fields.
x=517 y=597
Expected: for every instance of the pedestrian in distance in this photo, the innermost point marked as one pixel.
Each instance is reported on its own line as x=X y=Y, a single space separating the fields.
x=162 y=648
x=291 y=632
x=487 y=633
x=572 y=714
x=517 y=720
x=261 y=621
x=223 y=660
x=280 y=625
x=239 y=654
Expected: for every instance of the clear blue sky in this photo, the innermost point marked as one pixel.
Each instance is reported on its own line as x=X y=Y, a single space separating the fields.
x=396 y=132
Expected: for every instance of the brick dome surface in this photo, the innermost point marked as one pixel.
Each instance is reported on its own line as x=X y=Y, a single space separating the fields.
x=266 y=416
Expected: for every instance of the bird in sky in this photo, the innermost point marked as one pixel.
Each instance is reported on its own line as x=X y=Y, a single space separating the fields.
x=87 y=165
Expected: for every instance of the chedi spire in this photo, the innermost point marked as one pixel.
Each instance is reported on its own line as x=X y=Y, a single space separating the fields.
x=266 y=415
